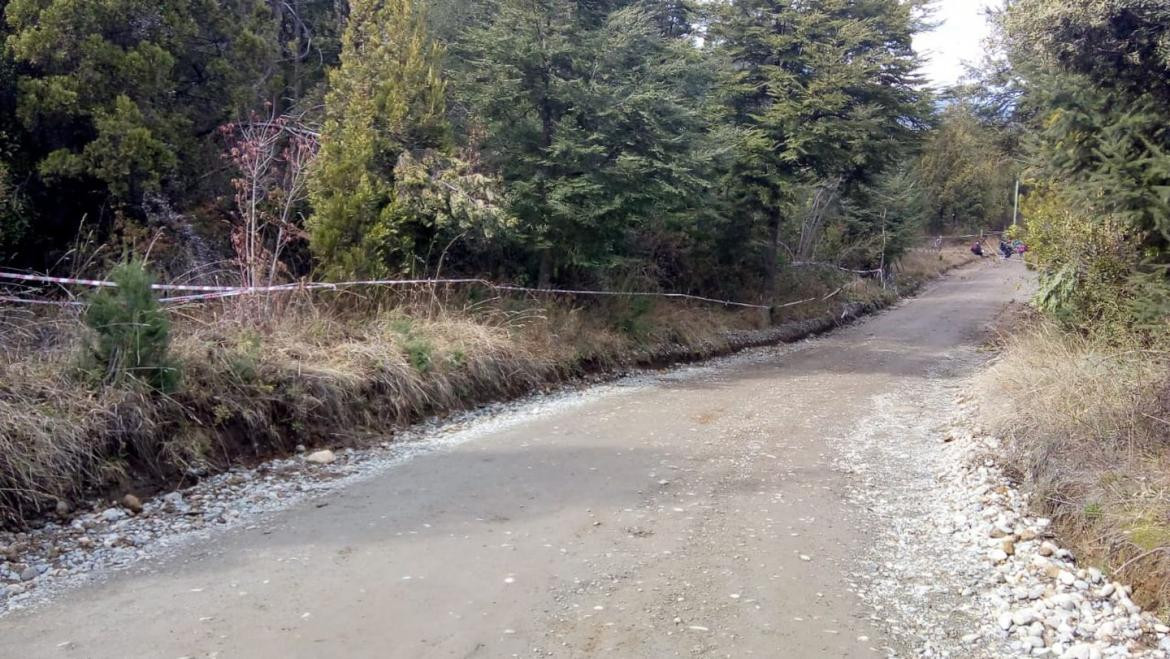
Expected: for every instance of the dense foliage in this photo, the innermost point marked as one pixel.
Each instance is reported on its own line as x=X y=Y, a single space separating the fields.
x=698 y=146
x=967 y=177
x=1092 y=81
x=386 y=99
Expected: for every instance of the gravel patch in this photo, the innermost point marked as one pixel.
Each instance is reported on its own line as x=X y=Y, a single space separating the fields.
x=963 y=569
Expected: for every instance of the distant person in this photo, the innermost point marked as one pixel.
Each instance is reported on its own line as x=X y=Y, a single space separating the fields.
x=1005 y=249
x=977 y=250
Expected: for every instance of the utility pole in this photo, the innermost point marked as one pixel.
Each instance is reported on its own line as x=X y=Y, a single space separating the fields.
x=1016 y=209
x=883 y=273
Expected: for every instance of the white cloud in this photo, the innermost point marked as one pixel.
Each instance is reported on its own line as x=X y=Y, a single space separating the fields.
x=958 y=39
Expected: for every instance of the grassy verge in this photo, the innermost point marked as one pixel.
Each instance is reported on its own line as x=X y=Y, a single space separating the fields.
x=329 y=371
x=1089 y=421
x=919 y=266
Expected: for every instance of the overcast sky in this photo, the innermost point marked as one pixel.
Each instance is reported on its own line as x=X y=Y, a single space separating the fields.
x=958 y=39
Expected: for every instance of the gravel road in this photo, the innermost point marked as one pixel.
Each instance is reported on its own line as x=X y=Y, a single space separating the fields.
x=780 y=503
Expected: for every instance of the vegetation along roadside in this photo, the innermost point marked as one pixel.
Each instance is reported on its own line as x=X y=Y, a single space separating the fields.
x=329 y=371
x=1080 y=389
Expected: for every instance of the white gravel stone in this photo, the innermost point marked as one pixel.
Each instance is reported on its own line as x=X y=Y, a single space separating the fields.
x=321 y=457
x=1024 y=617
x=1031 y=601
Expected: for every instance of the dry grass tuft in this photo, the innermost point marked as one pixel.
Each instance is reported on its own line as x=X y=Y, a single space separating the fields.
x=918 y=266
x=1089 y=420
x=312 y=372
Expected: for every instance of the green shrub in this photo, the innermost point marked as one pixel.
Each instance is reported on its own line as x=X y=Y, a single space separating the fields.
x=419 y=351
x=129 y=333
x=633 y=320
x=1085 y=257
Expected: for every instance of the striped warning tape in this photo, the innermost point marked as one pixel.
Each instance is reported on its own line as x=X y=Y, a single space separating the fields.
x=205 y=293
x=97 y=283
x=52 y=303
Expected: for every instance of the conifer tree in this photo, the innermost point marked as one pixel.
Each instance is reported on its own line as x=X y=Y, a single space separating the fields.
x=118 y=93
x=589 y=122
x=822 y=90
x=386 y=99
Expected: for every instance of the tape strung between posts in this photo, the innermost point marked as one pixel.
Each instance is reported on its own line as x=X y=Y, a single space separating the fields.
x=834 y=266
x=48 y=303
x=222 y=292
x=97 y=283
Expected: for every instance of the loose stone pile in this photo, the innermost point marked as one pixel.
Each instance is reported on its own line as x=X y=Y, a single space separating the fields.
x=60 y=552
x=1044 y=604
x=959 y=566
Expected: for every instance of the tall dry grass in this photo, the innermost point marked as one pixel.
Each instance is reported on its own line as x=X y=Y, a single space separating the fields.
x=920 y=265
x=1089 y=423
x=323 y=371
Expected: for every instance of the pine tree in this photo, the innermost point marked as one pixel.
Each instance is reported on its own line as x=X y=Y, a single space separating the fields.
x=386 y=99
x=589 y=121
x=116 y=95
x=1098 y=79
x=822 y=90
x=129 y=332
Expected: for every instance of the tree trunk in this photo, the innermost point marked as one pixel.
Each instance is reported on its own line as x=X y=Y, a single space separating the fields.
x=772 y=267
x=298 y=86
x=544 y=280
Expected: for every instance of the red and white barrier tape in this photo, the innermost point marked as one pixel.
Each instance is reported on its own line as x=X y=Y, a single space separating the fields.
x=205 y=293
x=834 y=266
x=96 y=283
x=47 y=303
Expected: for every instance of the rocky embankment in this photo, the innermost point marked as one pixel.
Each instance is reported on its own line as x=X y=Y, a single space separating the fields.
x=961 y=567
x=1043 y=603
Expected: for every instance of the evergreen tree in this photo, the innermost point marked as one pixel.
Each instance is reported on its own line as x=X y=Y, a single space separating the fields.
x=386 y=99
x=13 y=218
x=117 y=93
x=309 y=44
x=1098 y=79
x=591 y=121
x=1096 y=85
x=823 y=90
x=129 y=333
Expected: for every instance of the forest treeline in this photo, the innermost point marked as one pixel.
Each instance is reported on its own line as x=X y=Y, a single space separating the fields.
x=1081 y=91
x=700 y=146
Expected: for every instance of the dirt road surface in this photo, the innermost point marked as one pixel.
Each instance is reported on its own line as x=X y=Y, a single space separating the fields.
x=714 y=510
